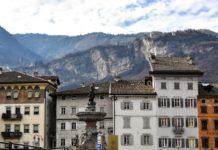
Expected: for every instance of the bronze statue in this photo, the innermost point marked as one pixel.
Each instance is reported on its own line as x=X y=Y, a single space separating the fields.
x=92 y=103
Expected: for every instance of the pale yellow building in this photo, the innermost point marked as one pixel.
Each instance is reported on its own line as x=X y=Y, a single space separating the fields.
x=27 y=109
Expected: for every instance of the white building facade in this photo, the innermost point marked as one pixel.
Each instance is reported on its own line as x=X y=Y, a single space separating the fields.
x=176 y=82
x=135 y=121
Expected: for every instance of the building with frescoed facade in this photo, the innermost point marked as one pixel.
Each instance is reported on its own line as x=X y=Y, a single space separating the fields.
x=208 y=116
x=26 y=108
x=175 y=81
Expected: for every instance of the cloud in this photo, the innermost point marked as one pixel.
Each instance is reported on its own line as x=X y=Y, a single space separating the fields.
x=74 y=17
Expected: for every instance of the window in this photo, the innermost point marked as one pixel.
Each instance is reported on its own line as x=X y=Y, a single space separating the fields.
x=163 y=85
x=176 y=86
x=36 y=110
x=216 y=109
x=177 y=122
x=164 y=102
x=74 y=141
x=8 y=93
x=15 y=93
x=110 y=130
x=204 y=124
x=146 y=105
x=146 y=122
x=16 y=128
x=101 y=124
x=205 y=142
x=101 y=109
x=146 y=139
x=17 y=110
x=35 y=128
x=190 y=86
x=7 y=128
x=191 y=143
x=177 y=102
x=190 y=102
x=178 y=142
x=164 y=142
x=126 y=106
x=126 y=139
x=63 y=142
x=63 y=110
x=73 y=110
x=164 y=122
x=216 y=124
x=29 y=94
x=37 y=92
x=191 y=122
x=216 y=142
x=126 y=122
x=203 y=101
x=216 y=101
x=63 y=126
x=203 y=109
x=26 y=128
x=73 y=126
x=27 y=110
x=8 y=110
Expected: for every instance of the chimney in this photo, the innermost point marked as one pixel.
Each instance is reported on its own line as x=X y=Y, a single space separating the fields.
x=1 y=70
x=35 y=73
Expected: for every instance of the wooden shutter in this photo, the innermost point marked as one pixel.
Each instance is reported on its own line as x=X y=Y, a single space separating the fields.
x=182 y=119
x=168 y=102
x=142 y=140
x=160 y=145
x=150 y=140
x=181 y=102
x=186 y=102
x=187 y=143
x=150 y=105
x=168 y=122
x=173 y=122
x=159 y=120
x=186 y=122
x=196 y=143
x=122 y=105
x=196 y=123
x=169 y=142
x=195 y=103
x=172 y=100
x=146 y=122
x=131 y=140
x=183 y=143
x=122 y=139
x=159 y=102
x=173 y=143
x=131 y=105
x=141 y=105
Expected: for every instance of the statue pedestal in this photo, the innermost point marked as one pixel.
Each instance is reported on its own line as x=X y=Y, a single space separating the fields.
x=89 y=142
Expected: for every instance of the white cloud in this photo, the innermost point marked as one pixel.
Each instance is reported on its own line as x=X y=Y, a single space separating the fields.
x=73 y=17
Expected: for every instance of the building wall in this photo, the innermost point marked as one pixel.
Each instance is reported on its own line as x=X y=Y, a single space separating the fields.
x=80 y=102
x=171 y=112
x=210 y=133
x=136 y=122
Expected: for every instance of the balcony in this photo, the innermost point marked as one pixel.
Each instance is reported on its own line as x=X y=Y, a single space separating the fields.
x=178 y=130
x=11 y=117
x=11 y=135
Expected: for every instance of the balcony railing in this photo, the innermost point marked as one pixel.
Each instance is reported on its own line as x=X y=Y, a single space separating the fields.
x=11 y=135
x=7 y=116
x=178 y=130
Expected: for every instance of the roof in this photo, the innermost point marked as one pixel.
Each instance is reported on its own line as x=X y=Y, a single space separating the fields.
x=131 y=87
x=102 y=89
x=173 y=65
x=14 y=77
x=209 y=89
x=52 y=78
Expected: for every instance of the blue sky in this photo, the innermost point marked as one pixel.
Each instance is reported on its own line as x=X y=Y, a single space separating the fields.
x=75 y=17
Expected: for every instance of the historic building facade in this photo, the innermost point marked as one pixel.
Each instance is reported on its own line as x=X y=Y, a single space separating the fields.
x=69 y=130
x=175 y=81
x=134 y=114
x=208 y=116
x=25 y=106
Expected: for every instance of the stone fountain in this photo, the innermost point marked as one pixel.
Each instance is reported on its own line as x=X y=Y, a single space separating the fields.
x=91 y=117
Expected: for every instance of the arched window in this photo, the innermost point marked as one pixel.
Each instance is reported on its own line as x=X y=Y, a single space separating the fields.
x=15 y=93
x=29 y=92
x=37 y=92
x=8 y=93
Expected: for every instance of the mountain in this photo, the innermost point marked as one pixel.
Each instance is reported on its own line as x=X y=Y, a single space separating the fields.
x=12 y=53
x=129 y=60
x=51 y=47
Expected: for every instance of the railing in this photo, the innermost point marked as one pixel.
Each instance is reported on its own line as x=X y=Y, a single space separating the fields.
x=11 y=135
x=15 y=146
x=178 y=130
x=11 y=117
